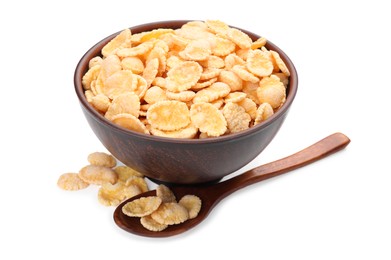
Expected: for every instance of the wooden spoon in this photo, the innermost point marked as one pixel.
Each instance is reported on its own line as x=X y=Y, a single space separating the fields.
x=212 y=194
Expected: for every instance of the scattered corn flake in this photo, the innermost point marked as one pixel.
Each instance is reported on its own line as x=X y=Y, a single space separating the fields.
x=272 y=91
x=183 y=76
x=141 y=207
x=113 y=194
x=123 y=38
x=130 y=122
x=208 y=119
x=165 y=194
x=125 y=172
x=102 y=159
x=149 y=223
x=192 y=203
x=236 y=117
x=263 y=112
x=94 y=174
x=71 y=181
x=168 y=115
x=137 y=181
x=170 y=213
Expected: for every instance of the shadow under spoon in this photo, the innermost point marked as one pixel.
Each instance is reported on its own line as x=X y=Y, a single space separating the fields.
x=212 y=194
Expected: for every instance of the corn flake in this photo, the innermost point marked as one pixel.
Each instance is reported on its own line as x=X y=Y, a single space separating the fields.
x=71 y=181
x=141 y=207
x=168 y=115
x=102 y=159
x=236 y=117
x=192 y=203
x=166 y=195
x=208 y=119
x=170 y=213
x=94 y=174
x=149 y=223
x=130 y=122
x=183 y=76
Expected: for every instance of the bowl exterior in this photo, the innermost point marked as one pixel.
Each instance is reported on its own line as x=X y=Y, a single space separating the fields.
x=178 y=161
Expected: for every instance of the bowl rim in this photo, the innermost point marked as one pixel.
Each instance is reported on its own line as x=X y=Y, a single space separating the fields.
x=95 y=50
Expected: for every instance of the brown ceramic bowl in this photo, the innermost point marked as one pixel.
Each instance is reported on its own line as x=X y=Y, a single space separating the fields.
x=182 y=161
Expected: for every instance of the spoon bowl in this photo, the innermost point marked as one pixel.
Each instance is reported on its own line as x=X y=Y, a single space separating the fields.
x=212 y=194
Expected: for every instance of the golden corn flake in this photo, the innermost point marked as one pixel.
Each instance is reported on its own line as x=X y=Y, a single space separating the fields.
x=154 y=34
x=203 y=84
x=192 y=203
x=155 y=94
x=166 y=195
x=100 y=102
x=188 y=132
x=151 y=70
x=102 y=159
x=91 y=75
x=127 y=102
x=94 y=174
x=110 y=65
x=137 y=181
x=249 y=106
x=113 y=194
x=280 y=63
x=118 y=83
x=263 y=112
x=251 y=91
x=208 y=119
x=231 y=60
x=215 y=91
x=141 y=207
x=236 y=117
x=209 y=73
x=168 y=115
x=149 y=223
x=218 y=27
x=125 y=172
x=95 y=61
x=170 y=213
x=222 y=47
x=196 y=50
x=183 y=76
x=130 y=122
x=259 y=63
x=184 y=96
x=231 y=79
x=272 y=91
x=244 y=74
x=134 y=64
x=235 y=97
x=122 y=39
x=213 y=62
x=71 y=181
x=259 y=43
x=239 y=38
x=141 y=49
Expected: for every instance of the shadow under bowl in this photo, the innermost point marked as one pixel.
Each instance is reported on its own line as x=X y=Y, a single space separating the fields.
x=182 y=161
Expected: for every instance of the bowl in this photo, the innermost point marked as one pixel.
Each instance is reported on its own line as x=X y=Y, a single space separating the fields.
x=182 y=161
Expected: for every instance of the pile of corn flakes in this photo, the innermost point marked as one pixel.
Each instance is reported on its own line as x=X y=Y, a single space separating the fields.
x=205 y=79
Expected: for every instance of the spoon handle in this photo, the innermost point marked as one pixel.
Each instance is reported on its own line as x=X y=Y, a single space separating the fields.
x=317 y=151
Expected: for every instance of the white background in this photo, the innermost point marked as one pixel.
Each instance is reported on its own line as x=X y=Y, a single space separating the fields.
x=337 y=208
